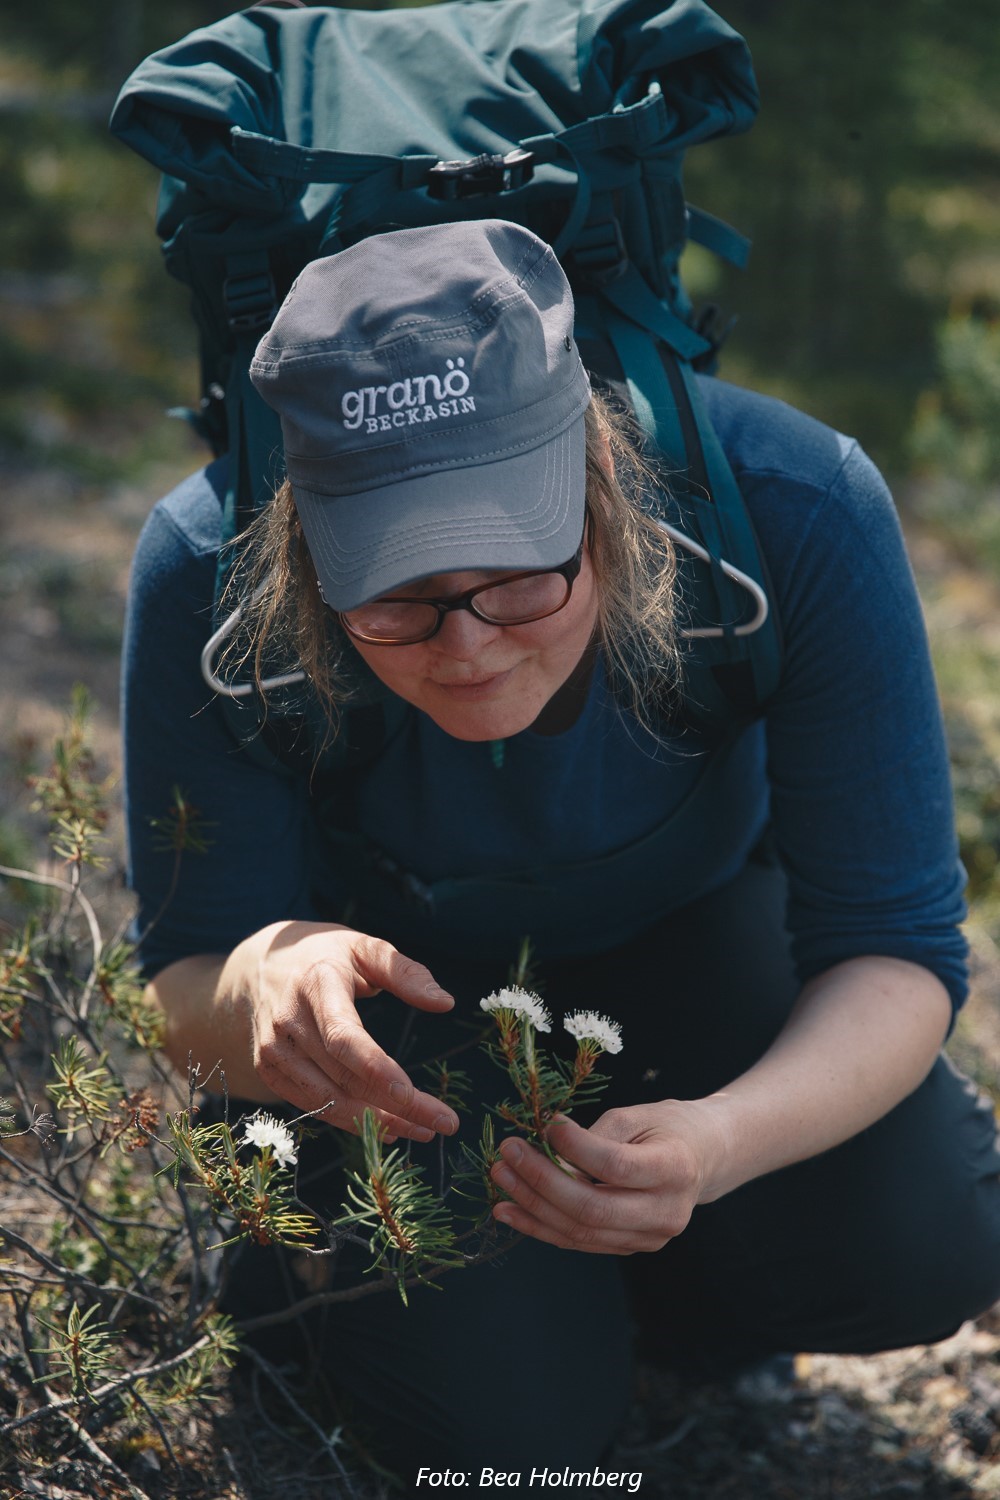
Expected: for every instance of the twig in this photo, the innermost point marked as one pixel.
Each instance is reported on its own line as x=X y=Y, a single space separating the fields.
x=21 y=1314
x=73 y=1208
x=363 y=1289
x=27 y=1105
x=662 y=1445
x=264 y=1415
x=329 y=1443
x=234 y=1471
x=168 y=1446
x=62 y=1003
x=94 y=1448
x=164 y=904
x=124 y=1382
x=67 y=1274
x=71 y=890
x=30 y=1277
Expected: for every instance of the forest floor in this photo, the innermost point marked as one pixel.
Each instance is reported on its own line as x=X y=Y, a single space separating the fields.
x=921 y=1422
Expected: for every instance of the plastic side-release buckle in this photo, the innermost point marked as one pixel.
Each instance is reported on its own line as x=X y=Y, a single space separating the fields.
x=714 y=326
x=489 y=173
x=599 y=252
x=250 y=299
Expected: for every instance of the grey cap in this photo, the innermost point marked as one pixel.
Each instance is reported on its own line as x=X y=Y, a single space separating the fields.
x=431 y=401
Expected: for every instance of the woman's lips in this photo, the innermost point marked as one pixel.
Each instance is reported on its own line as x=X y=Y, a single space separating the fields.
x=482 y=687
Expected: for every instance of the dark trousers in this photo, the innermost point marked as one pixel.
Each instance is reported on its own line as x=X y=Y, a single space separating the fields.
x=889 y=1240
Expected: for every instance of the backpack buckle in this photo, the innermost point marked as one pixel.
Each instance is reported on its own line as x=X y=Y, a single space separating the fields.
x=250 y=300
x=599 y=253
x=489 y=173
x=714 y=327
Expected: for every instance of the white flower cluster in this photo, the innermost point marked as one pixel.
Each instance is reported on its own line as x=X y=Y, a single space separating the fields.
x=522 y=1003
x=587 y=1025
x=263 y=1130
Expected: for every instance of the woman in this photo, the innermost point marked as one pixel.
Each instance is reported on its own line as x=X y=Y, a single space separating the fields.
x=796 y=1164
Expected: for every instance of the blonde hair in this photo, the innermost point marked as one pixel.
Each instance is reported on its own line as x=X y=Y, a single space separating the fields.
x=285 y=625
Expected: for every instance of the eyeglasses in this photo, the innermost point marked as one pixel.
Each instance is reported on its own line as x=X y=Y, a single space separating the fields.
x=517 y=599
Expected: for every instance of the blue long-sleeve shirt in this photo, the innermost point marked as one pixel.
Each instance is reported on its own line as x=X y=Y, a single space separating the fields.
x=849 y=764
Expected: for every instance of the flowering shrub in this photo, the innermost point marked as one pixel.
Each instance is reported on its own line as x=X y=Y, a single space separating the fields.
x=546 y=1086
x=114 y=1297
x=268 y=1134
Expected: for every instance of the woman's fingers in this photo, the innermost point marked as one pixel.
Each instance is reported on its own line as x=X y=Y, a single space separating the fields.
x=340 y=1041
x=308 y=1036
x=380 y=966
x=589 y=1217
x=568 y=1204
x=620 y=1158
x=346 y=1114
x=564 y=1207
x=589 y=1244
x=310 y=1089
x=329 y=1036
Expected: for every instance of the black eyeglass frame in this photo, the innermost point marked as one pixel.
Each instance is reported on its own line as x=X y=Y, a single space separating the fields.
x=569 y=570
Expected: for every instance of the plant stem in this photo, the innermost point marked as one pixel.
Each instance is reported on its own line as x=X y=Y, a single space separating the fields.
x=112 y=1388
x=97 y=942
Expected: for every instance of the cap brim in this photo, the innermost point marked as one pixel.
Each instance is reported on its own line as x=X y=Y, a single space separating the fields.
x=525 y=511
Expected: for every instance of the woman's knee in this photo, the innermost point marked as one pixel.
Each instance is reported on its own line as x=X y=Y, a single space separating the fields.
x=931 y=1253
x=522 y=1365
x=937 y=1282
x=890 y=1240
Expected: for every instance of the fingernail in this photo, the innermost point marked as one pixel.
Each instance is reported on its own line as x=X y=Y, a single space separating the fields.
x=504 y=1179
x=400 y=1091
x=435 y=992
x=446 y=1124
x=421 y=1133
x=513 y=1151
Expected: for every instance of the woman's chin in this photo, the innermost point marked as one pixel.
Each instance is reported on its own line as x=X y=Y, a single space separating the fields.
x=487 y=717
x=478 y=727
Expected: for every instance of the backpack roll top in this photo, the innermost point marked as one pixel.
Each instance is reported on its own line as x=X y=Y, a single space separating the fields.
x=449 y=82
x=327 y=124
x=284 y=134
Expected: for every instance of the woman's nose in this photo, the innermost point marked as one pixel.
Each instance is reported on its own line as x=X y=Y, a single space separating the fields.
x=464 y=634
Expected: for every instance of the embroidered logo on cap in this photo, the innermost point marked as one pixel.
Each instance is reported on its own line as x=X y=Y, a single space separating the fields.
x=405 y=403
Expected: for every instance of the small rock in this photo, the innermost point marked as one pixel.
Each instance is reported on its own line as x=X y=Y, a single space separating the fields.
x=974 y=1422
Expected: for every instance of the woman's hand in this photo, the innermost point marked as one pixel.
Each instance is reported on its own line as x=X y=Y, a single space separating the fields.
x=861 y=1036
x=286 y=1025
x=632 y=1182
x=309 y=1044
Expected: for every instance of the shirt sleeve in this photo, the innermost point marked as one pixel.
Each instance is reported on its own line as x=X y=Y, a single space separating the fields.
x=254 y=868
x=858 y=765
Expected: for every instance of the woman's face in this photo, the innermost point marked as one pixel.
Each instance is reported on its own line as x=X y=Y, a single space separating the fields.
x=487 y=682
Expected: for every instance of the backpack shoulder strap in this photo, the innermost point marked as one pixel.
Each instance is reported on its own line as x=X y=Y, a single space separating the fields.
x=734 y=649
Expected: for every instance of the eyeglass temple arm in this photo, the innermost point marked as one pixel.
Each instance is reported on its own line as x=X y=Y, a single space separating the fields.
x=286 y=679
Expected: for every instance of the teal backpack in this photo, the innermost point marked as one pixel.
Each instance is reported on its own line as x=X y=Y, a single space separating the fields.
x=290 y=131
